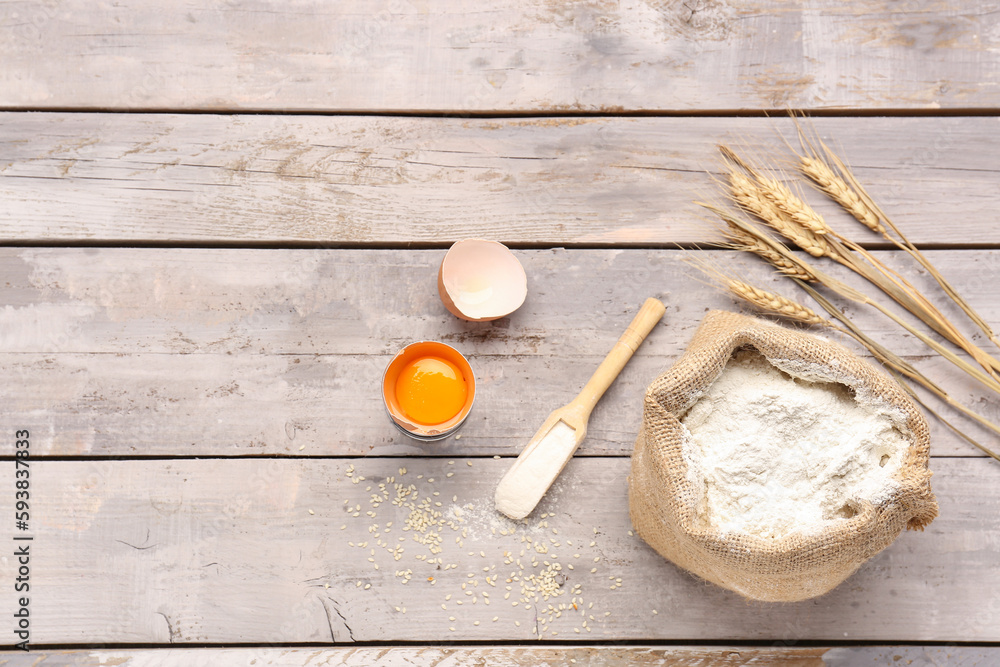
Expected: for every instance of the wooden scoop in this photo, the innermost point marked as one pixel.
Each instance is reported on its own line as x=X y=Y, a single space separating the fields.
x=553 y=445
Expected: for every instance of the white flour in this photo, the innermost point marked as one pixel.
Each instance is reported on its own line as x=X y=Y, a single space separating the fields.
x=771 y=454
x=534 y=471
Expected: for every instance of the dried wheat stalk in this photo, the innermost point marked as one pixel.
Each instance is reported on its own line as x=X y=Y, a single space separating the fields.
x=749 y=194
x=846 y=291
x=833 y=185
x=774 y=303
x=789 y=204
x=835 y=178
x=897 y=364
x=774 y=204
x=742 y=240
x=745 y=192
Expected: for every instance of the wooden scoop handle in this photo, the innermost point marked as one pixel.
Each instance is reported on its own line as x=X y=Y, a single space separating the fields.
x=644 y=321
x=546 y=454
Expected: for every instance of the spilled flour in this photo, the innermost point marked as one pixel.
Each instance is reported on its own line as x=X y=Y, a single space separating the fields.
x=773 y=454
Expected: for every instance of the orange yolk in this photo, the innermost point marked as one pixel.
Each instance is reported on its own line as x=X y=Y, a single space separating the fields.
x=431 y=390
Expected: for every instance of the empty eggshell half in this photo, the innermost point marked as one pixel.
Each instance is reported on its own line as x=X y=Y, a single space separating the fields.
x=481 y=280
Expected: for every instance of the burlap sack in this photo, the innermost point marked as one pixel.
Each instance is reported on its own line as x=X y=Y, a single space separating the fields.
x=797 y=566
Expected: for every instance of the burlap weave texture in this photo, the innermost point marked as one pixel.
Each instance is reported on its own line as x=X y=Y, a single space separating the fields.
x=800 y=565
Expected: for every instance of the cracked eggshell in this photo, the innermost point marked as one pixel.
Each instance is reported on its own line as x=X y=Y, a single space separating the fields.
x=481 y=280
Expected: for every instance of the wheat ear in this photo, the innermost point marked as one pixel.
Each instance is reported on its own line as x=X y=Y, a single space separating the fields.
x=745 y=192
x=781 y=196
x=895 y=286
x=842 y=289
x=745 y=237
x=774 y=303
x=820 y=173
x=749 y=243
x=905 y=243
x=791 y=205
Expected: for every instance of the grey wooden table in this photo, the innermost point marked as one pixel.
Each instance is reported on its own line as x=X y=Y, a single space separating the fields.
x=219 y=221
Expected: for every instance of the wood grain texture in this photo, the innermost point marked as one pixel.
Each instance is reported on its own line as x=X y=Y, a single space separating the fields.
x=118 y=178
x=153 y=352
x=516 y=656
x=228 y=551
x=516 y=55
x=457 y=656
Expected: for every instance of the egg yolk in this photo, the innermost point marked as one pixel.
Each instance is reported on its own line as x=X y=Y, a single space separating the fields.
x=431 y=390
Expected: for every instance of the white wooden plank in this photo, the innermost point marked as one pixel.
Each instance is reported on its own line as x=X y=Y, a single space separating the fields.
x=431 y=656
x=372 y=302
x=151 y=405
x=374 y=180
x=529 y=656
x=227 y=551
x=329 y=405
x=516 y=55
x=126 y=352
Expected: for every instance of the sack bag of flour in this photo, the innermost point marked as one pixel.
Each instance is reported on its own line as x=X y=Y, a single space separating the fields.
x=774 y=463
